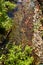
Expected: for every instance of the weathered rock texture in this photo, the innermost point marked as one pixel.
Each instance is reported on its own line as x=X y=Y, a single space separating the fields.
x=26 y=26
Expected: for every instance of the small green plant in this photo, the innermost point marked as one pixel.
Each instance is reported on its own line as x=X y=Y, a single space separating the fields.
x=19 y=56
x=5 y=21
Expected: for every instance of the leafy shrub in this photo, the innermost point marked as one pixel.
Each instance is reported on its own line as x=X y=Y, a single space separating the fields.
x=19 y=56
x=5 y=21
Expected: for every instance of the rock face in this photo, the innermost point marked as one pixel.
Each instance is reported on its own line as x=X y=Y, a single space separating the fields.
x=38 y=28
x=37 y=39
x=23 y=20
x=26 y=26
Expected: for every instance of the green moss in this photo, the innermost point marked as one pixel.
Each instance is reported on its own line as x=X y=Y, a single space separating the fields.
x=18 y=56
x=5 y=21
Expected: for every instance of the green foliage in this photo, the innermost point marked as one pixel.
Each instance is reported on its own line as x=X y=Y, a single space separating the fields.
x=10 y=5
x=5 y=21
x=18 y=56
